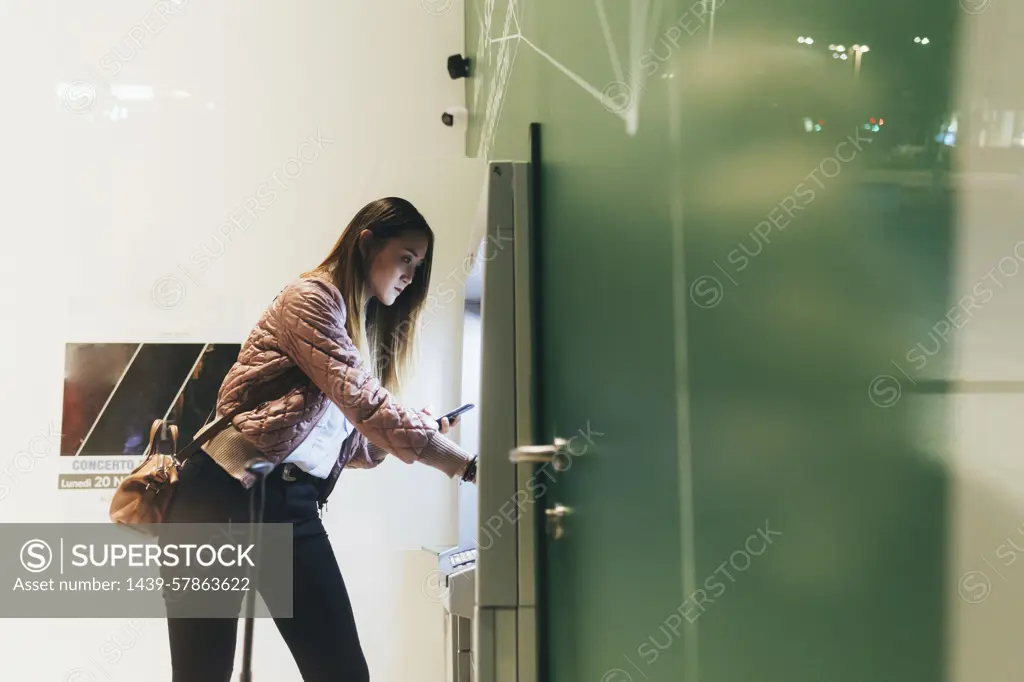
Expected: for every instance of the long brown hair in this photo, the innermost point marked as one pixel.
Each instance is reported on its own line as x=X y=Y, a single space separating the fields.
x=384 y=334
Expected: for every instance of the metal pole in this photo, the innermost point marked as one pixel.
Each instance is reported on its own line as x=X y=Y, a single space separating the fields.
x=261 y=469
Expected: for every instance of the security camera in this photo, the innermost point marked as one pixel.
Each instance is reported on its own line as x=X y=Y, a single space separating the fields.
x=453 y=115
x=458 y=66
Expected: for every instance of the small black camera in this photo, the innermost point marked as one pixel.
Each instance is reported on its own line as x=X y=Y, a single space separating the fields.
x=458 y=67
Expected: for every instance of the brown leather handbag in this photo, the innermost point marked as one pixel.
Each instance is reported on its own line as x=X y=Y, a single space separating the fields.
x=143 y=497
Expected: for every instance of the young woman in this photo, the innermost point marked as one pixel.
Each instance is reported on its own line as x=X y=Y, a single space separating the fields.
x=332 y=412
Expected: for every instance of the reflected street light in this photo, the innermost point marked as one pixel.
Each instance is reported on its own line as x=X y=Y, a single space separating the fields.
x=858 y=50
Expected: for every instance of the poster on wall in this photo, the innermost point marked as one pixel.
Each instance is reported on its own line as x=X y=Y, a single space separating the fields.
x=114 y=391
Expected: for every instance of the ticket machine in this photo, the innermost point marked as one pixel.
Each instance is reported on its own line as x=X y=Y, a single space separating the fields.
x=489 y=588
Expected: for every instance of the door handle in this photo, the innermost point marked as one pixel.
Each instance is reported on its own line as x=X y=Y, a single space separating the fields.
x=542 y=454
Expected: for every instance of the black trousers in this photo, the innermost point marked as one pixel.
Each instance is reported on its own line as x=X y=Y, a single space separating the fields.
x=321 y=633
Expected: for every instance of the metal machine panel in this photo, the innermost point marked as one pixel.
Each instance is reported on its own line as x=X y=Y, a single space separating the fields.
x=505 y=576
x=505 y=635
x=497 y=580
x=527 y=645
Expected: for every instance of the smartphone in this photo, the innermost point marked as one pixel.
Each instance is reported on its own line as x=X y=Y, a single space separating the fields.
x=456 y=412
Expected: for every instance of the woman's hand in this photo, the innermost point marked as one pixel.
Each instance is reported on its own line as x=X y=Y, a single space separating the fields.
x=446 y=426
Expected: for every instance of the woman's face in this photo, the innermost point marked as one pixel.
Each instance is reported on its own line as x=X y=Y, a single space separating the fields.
x=394 y=267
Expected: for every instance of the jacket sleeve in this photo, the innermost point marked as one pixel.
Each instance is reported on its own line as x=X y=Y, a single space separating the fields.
x=359 y=453
x=311 y=330
x=366 y=455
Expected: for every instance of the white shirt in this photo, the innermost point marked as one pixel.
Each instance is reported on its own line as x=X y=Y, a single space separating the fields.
x=317 y=454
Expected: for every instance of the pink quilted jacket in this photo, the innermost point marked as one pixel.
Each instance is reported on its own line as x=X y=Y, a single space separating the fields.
x=304 y=327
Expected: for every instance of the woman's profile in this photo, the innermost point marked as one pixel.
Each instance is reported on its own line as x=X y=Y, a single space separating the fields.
x=340 y=339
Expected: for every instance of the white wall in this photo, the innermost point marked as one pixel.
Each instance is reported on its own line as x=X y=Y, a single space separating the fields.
x=469 y=429
x=109 y=202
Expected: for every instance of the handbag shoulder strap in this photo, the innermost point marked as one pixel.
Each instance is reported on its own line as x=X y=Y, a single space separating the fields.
x=268 y=391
